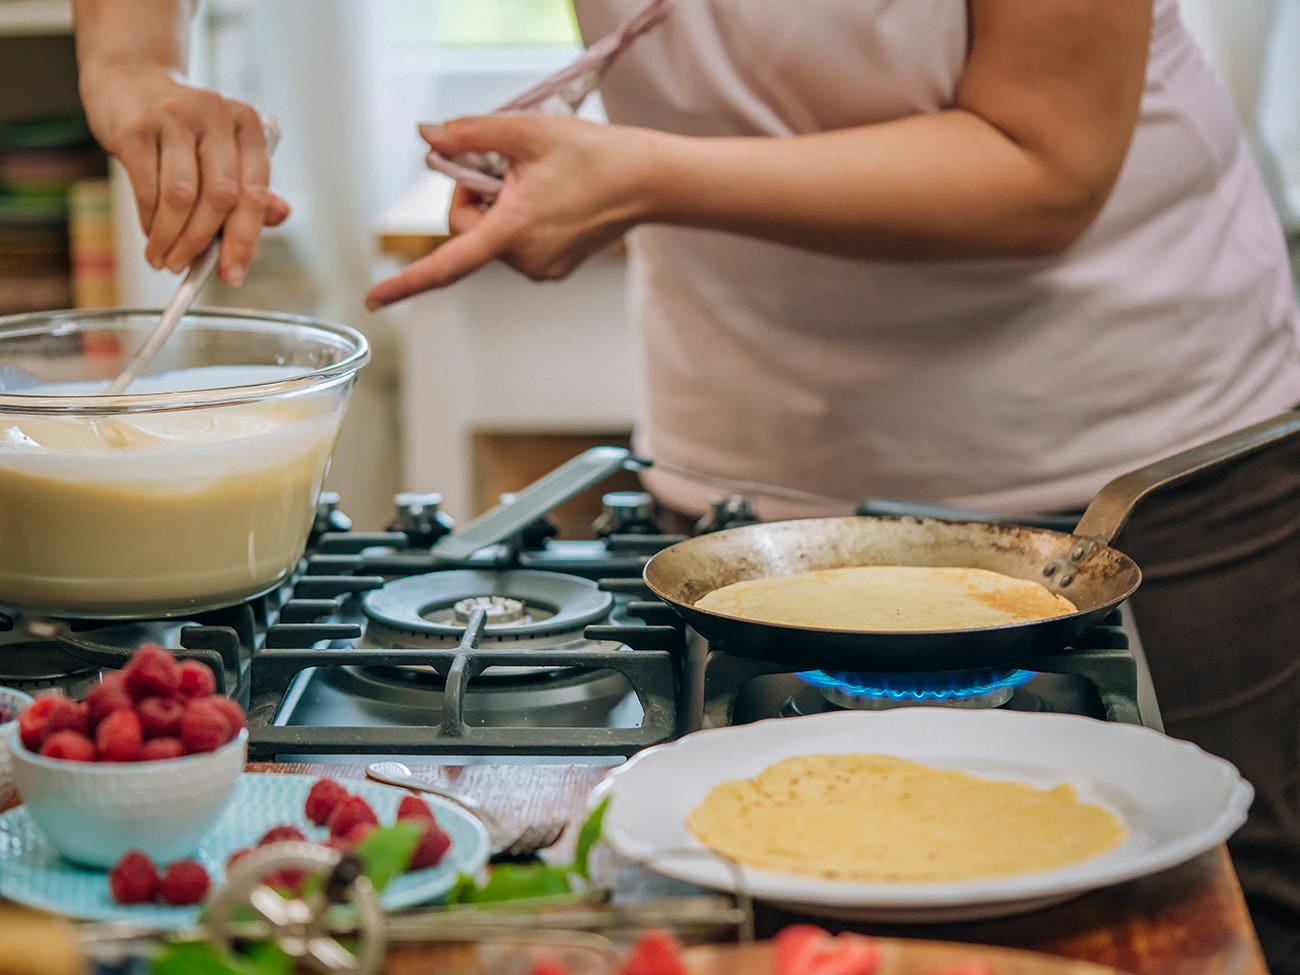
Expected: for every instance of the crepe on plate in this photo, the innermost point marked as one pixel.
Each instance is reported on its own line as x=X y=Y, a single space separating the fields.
x=888 y=597
x=882 y=819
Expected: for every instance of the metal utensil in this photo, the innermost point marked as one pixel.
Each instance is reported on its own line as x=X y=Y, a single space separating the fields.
x=505 y=843
x=196 y=277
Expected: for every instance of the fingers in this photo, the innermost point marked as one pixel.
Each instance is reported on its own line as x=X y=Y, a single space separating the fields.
x=178 y=190
x=219 y=191
x=448 y=264
x=244 y=221
x=466 y=212
x=139 y=156
x=518 y=136
x=277 y=211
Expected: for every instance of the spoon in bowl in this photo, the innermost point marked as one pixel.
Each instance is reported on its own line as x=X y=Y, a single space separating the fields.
x=196 y=276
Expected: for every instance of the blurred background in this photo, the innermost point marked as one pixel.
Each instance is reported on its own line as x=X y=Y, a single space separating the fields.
x=478 y=389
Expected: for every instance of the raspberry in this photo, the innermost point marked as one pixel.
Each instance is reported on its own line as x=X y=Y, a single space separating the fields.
x=284 y=833
x=185 y=882
x=133 y=879
x=413 y=807
x=357 y=834
x=158 y=749
x=109 y=695
x=67 y=715
x=151 y=672
x=119 y=737
x=349 y=813
x=31 y=723
x=160 y=717
x=433 y=846
x=204 y=726
x=195 y=679
x=325 y=794
x=69 y=745
x=233 y=712
x=238 y=855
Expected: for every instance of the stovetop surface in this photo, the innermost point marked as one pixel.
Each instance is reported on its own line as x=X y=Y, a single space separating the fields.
x=320 y=679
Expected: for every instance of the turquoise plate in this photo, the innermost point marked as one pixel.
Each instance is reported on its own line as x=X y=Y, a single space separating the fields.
x=31 y=873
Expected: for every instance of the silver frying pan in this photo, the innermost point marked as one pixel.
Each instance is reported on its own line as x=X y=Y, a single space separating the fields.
x=1082 y=566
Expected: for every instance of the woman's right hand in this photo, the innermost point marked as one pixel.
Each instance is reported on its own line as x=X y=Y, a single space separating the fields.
x=197 y=162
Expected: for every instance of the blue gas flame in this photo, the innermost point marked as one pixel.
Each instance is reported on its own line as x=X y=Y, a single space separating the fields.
x=939 y=685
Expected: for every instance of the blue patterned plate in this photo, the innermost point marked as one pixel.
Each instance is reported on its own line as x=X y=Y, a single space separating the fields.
x=33 y=874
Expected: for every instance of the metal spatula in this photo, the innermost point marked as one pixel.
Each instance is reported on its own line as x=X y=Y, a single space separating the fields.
x=196 y=276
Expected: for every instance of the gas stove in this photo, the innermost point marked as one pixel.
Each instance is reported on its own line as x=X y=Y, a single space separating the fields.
x=529 y=648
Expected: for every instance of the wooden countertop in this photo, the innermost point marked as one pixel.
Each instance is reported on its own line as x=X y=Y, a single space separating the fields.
x=1191 y=918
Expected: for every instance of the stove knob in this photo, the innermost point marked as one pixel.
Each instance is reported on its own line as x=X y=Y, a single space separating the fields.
x=421 y=518
x=626 y=513
x=729 y=512
x=328 y=517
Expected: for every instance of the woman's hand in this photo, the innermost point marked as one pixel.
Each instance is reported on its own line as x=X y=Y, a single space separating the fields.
x=197 y=163
x=572 y=189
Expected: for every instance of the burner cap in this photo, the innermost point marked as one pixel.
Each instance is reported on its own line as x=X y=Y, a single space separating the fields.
x=433 y=609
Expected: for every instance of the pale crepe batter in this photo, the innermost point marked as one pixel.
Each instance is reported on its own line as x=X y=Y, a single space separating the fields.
x=881 y=819
x=888 y=597
x=151 y=512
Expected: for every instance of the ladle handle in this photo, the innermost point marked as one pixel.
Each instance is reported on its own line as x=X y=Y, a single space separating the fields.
x=1110 y=510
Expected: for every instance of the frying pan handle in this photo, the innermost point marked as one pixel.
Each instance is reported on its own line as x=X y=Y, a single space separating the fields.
x=1110 y=510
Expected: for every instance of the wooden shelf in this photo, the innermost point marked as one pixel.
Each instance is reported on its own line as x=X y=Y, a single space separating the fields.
x=27 y=18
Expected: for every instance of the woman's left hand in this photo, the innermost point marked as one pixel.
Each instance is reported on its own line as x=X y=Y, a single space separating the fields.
x=573 y=188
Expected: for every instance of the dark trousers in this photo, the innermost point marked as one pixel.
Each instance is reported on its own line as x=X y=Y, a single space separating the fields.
x=1219 y=616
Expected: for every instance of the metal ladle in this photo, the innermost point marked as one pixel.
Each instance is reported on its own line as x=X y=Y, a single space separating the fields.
x=196 y=276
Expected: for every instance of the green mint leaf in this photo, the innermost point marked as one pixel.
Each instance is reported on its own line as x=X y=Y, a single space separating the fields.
x=387 y=851
x=588 y=837
x=462 y=890
x=205 y=958
x=515 y=881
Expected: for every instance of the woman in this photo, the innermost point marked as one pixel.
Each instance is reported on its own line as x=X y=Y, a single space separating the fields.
x=990 y=254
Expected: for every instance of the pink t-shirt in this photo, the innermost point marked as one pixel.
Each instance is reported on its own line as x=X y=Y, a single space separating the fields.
x=1004 y=385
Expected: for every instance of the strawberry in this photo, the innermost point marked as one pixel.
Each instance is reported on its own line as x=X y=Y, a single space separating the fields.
x=804 y=949
x=654 y=953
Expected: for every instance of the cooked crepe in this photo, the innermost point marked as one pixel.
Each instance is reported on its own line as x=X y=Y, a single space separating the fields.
x=889 y=597
x=881 y=819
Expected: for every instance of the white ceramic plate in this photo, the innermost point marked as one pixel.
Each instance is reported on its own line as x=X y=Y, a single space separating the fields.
x=1176 y=800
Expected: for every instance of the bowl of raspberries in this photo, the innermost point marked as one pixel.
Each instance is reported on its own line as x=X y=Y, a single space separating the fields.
x=147 y=761
x=12 y=703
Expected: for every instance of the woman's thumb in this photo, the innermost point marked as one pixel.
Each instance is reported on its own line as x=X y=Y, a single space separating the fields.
x=516 y=136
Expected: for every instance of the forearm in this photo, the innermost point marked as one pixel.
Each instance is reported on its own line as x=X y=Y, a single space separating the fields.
x=197 y=161
x=931 y=187
x=133 y=33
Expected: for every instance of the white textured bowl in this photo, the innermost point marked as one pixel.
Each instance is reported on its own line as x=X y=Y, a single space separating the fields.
x=16 y=702
x=93 y=812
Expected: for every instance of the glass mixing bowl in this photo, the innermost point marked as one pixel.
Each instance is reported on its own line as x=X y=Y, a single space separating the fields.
x=194 y=489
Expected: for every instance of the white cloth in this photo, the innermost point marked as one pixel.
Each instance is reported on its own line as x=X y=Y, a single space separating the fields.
x=1004 y=385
